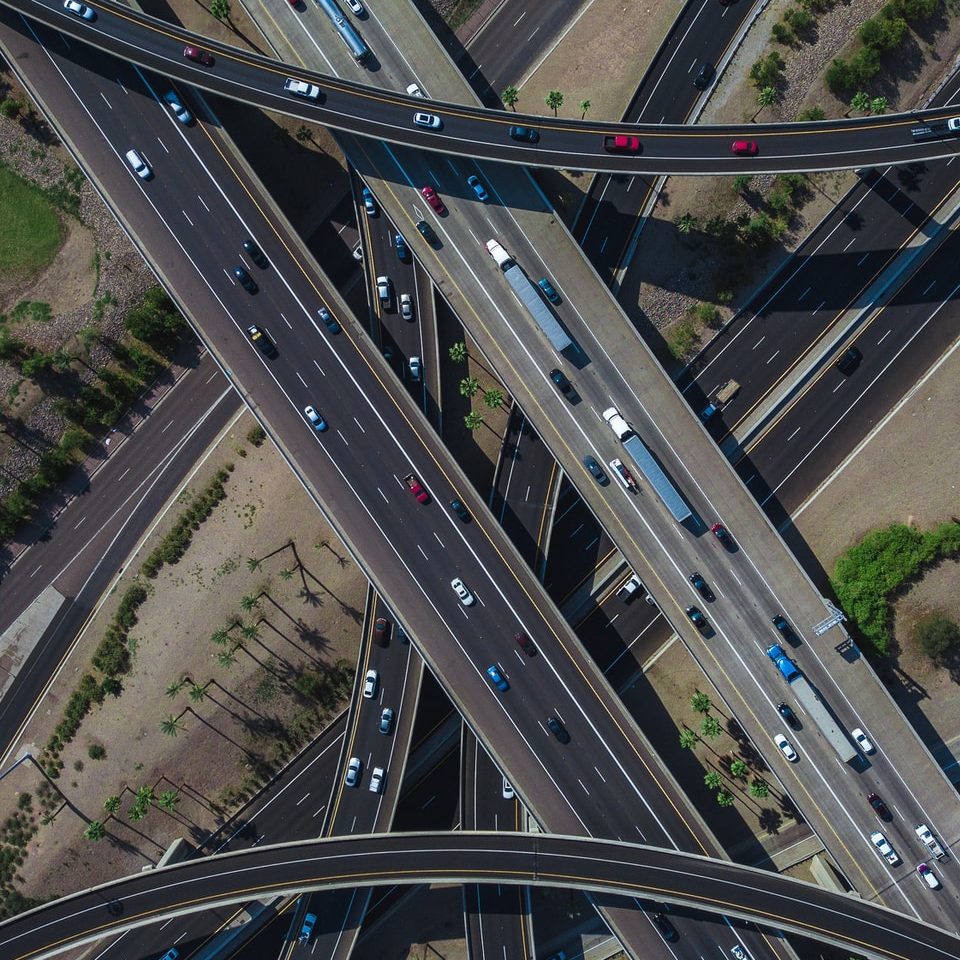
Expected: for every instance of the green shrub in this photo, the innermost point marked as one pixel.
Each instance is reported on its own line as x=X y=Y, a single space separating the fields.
x=937 y=636
x=683 y=338
x=839 y=77
x=256 y=435
x=781 y=33
x=867 y=574
x=882 y=32
x=766 y=71
x=801 y=20
x=96 y=751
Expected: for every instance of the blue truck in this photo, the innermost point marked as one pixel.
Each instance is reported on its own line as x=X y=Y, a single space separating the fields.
x=808 y=699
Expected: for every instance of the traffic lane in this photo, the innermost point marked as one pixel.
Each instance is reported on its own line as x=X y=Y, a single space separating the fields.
x=514 y=37
x=808 y=296
x=831 y=418
x=523 y=494
x=579 y=545
x=837 y=145
x=87 y=524
x=542 y=860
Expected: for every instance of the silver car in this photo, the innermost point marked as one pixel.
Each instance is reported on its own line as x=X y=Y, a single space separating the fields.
x=430 y=120
x=352 y=777
x=459 y=588
x=406 y=306
x=138 y=165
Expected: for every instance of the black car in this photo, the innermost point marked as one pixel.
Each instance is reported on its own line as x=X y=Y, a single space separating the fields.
x=460 y=510
x=558 y=729
x=701 y=586
x=594 y=468
x=559 y=379
x=527 y=134
x=786 y=711
x=702 y=80
x=256 y=254
x=699 y=620
x=882 y=812
x=849 y=361
x=261 y=340
x=427 y=232
x=667 y=930
x=244 y=279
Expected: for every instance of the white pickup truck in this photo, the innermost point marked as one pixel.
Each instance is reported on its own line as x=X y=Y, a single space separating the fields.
x=930 y=841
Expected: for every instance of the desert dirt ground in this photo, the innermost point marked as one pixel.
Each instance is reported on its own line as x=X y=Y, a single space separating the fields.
x=236 y=732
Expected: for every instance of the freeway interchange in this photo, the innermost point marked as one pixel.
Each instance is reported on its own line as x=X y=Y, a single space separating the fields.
x=410 y=551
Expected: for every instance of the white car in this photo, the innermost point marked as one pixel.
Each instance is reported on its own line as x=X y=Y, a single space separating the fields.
x=928 y=876
x=883 y=845
x=352 y=776
x=138 y=165
x=786 y=747
x=414 y=91
x=358 y=252
x=300 y=88
x=953 y=125
x=862 y=742
x=319 y=424
x=406 y=306
x=415 y=369
x=356 y=6
x=466 y=597
x=80 y=10
x=376 y=780
x=507 y=789
x=384 y=290
x=430 y=120
x=370 y=684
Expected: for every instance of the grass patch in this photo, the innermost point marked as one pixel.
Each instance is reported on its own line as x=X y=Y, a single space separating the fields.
x=462 y=13
x=32 y=233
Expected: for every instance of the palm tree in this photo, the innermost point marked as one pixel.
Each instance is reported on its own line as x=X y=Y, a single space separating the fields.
x=469 y=386
x=724 y=799
x=738 y=769
x=713 y=779
x=144 y=796
x=759 y=789
x=221 y=9
x=584 y=107
x=168 y=800
x=303 y=134
x=197 y=692
x=250 y=632
x=700 y=702
x=472 y=420
x=509 y=97
x=226 y=658
x=554 y=100
x=137 y=813
x=688 y=739
x=248 y=602
x=686 y=223
x=766 y=97
x=170 y=725
x=220 y=637
x=879 y=105
x=95 y=831
x=458 y=352
x=860 y=102
x=111 y=804
x=253 y=564
x=286 y=573
x=493 y=399
x=710 y=727
x=175 y=686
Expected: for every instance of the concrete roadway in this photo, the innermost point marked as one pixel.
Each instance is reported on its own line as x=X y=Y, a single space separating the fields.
x=97 y=531
x=478 y=133
x=604 y=867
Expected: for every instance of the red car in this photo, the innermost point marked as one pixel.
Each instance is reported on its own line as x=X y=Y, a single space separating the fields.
x=744 y=148
x=198 y=56
x=430 y=195
x=416 y=489
x=525 y=644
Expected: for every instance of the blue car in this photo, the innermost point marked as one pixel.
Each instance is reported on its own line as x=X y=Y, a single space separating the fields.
x=306 y=930
x=318 y=423
x=369 y=204
x=402 y=252
x=497 y=679
x=548 y=290
x=478 y=188
x=324 y=314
